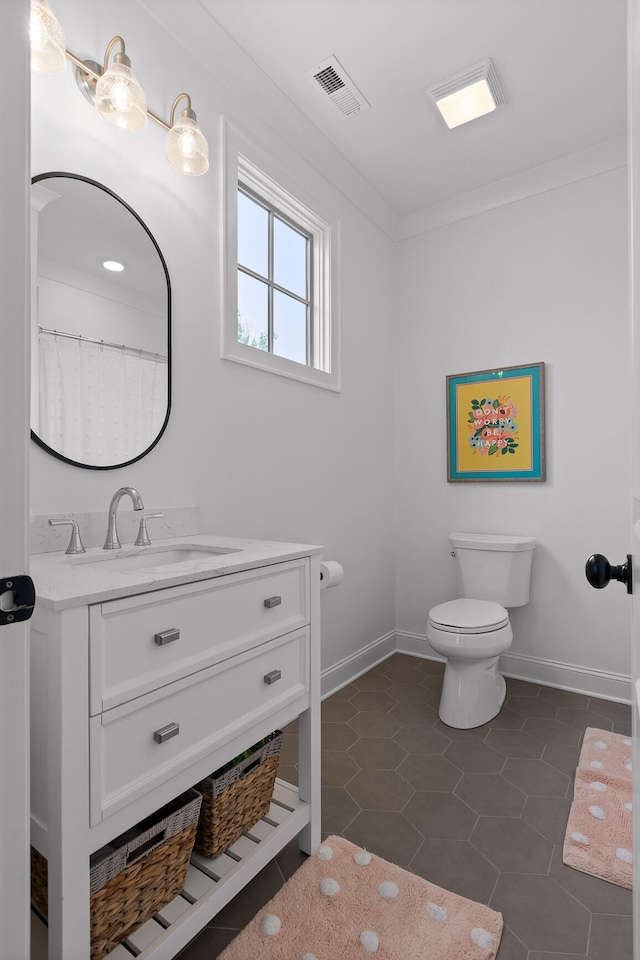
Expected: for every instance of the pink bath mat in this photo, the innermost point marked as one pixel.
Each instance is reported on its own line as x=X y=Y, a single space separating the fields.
x=598 y=837
x=347 y=904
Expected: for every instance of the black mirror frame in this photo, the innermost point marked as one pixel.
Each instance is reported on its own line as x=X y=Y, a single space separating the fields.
x=126 y=463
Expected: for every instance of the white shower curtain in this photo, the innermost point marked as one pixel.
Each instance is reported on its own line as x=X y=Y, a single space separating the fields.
x=98 y=405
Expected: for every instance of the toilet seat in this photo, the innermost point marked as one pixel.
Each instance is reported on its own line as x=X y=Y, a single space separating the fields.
x=468 y=616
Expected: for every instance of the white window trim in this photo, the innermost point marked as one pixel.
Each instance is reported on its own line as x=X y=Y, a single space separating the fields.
x=265 y=179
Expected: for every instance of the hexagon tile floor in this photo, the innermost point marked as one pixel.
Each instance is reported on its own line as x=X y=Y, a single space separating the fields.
x=481 y=812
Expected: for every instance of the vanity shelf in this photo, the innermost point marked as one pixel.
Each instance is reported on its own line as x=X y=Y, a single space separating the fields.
x=102 y=684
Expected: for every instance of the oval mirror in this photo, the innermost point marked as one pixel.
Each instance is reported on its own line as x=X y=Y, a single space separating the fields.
x=101 y=326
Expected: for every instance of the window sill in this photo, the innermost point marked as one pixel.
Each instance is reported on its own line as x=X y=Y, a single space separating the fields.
x=252 y=357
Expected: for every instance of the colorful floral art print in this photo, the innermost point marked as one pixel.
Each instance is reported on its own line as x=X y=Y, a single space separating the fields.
x=496 y=424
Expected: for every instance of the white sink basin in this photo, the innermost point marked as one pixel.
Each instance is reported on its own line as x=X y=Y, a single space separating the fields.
x=148 y=558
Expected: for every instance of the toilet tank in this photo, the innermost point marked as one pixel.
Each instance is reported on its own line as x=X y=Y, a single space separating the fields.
x=494 y=567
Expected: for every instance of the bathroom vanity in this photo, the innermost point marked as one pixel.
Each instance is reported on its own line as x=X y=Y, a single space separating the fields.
x=213 y=639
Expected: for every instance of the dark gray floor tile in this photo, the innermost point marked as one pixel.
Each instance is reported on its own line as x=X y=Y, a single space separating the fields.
x=374 y=725
x=337 y=736
x=507 y=719
x=408 y=692
x=511 y=845
x=541 y=914
x=252 y=898
x=581 y=719
x=431 y=773
x=610 y=709
x=533 y=707
x=610 y=937
x=290 y=858
x=510 y=947
x=380 y=790
x=414 y=712
x=377 y=753
x=474 y=757
x=433 y=667
x=418 y=738
x=551 y=731
x=522 y=688
x=475 y=734
x=344 y=693
x=337 y=768
x=536 y=778
x=371 y=681
x=457 y=866
x=536 y=955
x=564 y=698
x=401 y=672
x=563 y=756
x=338 y=808
x=376 y=701
x=515 y=743
x=389 y=835
x=337 y=711
x=491 y=795
x=288 y=773
x=440 y=816
x=289 y=749
x=548 y=815
x=622 y=726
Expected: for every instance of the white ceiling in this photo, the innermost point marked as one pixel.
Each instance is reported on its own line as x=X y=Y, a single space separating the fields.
x=561 y=63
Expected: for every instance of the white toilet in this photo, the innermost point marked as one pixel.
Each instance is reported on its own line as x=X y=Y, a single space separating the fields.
x=472 y=632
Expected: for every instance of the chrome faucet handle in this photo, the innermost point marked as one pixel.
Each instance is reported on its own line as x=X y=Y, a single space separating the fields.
x=75 y=543
x=142 y=540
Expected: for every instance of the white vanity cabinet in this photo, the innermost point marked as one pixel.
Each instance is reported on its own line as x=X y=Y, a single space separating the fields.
x=141 y=687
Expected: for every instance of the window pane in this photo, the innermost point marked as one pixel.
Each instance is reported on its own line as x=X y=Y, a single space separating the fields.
x=289 y=258
x=289 y=327
x=253 y=311
x=253 y=235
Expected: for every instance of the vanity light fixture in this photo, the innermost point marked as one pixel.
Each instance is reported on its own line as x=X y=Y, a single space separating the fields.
x=119 y=96
x=114 y=265
x=115 y=92
x=469 y=94
x=48 y=44
x=187 y=149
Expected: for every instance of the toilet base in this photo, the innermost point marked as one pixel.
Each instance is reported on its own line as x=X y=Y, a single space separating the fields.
x=472 y=693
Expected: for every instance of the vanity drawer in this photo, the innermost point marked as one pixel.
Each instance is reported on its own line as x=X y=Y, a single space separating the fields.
x=141 y=643
x=141 y=744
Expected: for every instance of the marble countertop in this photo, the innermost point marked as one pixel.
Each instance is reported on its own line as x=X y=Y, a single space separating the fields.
x=63 y=581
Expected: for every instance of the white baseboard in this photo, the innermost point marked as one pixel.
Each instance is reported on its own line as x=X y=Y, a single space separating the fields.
x=549 y=673
x=352 y=667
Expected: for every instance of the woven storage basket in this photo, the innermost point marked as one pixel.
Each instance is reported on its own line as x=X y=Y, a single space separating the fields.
x=234 y=799
x=135 y=875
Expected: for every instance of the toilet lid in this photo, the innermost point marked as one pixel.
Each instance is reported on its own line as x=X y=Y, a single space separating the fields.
x=469 y=616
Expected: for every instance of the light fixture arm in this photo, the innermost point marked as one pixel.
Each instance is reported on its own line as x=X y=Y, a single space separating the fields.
x=119 y=57
x=187 y=112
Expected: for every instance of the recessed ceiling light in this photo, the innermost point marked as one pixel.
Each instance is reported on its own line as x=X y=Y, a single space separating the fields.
x=468 y=95
x=113 y=265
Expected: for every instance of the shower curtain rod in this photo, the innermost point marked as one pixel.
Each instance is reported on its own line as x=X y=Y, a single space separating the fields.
x=147 y=354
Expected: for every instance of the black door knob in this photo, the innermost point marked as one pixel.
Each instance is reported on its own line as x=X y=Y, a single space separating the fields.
x=599 y=572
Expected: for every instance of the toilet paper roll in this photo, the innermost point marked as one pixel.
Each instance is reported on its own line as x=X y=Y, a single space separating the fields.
x=331 y=574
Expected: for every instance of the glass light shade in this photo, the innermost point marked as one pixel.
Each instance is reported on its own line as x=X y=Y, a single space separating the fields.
x=467 y=104
x=119 y=98
x=187 y=149
x=47 y=38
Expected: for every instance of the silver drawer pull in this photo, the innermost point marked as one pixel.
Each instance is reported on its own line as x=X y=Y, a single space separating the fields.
x=272 y=602
x=165 y=733
x=273 y=676
x=167 y=636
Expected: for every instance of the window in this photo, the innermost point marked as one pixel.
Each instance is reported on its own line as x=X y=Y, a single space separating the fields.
x=274 y=284
x=280 y=307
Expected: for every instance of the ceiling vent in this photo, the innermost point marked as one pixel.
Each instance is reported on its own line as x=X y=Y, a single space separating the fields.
x=336 y=83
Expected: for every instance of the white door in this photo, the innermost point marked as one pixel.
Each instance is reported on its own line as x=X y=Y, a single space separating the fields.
x=634 y=179
x=14 y=440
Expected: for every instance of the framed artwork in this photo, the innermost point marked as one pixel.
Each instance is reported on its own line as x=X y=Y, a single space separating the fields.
x=495 y=424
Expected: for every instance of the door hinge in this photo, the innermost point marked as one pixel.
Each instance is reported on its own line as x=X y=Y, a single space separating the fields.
x=17 y=599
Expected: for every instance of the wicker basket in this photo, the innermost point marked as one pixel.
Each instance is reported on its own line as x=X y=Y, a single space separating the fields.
x=234 y=799
x=135 y=875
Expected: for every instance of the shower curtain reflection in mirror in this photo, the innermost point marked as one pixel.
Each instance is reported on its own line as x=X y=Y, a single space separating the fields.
x=97 y=403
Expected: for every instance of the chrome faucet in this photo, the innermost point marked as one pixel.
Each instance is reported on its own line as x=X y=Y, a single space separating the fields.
x=112 y=542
